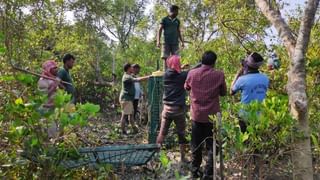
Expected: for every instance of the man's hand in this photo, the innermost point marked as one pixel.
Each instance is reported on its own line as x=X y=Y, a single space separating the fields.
x=185 y=66
x=240 y=72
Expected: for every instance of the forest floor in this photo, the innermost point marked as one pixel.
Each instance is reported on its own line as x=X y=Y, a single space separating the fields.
x=106 y=131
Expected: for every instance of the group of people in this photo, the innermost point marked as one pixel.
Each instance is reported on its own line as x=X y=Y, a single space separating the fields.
x=53 y=78
x=205 y=85
x=130 y=94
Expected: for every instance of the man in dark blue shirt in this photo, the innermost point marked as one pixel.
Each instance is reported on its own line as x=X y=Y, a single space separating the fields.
x=170 y=25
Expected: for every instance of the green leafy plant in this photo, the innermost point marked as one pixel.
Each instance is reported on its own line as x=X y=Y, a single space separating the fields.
x=165 y=162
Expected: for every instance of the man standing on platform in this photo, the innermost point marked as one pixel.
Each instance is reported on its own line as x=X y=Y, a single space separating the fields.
x=170 y=25
x=205 y=85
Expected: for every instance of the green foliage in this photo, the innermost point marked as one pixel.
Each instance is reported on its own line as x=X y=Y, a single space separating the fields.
x=28 y=126
x=2 y=47
x=165 y=162
x=269 y=128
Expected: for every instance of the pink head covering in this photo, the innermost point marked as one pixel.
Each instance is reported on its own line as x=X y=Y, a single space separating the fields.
x=47 y=66
x=173 y=62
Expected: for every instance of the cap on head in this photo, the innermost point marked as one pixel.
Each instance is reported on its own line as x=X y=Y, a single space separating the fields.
x=254 y=60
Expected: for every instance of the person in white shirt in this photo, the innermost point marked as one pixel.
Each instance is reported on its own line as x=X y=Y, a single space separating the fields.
x=138 y=90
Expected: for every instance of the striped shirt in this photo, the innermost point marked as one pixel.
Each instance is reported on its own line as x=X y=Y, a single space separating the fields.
x=205 y=85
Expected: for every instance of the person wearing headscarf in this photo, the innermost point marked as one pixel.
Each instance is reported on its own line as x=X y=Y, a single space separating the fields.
x=46 y=84
x=174 y=100
x=253 y=86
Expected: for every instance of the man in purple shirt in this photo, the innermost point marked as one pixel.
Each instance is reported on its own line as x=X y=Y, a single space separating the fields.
x=205 y=85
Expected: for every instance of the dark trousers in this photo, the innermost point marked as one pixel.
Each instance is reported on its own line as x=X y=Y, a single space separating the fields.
x=135 y=108
x=202 y=132
x=243 y=126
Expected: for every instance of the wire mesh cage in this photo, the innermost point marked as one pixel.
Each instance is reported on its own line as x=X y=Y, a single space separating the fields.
x=155 y=85
x=116 y=155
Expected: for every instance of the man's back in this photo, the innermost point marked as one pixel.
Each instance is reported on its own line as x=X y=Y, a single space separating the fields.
x=128 y=90
x=253 y=86
x=174 y=92
x=64 y=75
x=205 y=85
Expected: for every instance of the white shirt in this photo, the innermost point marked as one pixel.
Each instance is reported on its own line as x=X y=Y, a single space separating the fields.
x=138 y=90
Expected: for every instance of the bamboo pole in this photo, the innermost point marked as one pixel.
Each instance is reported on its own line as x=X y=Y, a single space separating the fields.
x=214 y=152
x=36 y=74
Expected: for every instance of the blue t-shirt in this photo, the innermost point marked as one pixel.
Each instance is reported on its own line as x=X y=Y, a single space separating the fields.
x=253 y=86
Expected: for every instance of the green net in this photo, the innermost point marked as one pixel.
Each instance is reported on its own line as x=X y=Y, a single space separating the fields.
x=155 y=86
x=116 y=155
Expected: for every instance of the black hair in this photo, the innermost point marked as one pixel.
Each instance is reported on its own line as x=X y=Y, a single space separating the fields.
x=126 y=67
x=67 y=57
x=256 y=57
x=209 y=58
x=136 y=66
x=174 y=8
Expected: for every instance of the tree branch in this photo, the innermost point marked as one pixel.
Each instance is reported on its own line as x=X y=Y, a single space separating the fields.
x=274 y=16
x=306 y=26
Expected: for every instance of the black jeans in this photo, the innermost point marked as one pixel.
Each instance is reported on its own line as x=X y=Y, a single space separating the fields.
x=135 y=108
x=202 y=132
x=243 y=125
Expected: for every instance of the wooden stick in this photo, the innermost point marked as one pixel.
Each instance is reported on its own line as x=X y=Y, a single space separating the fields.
x=36 y=74
x=214 y=153
x=220 y=140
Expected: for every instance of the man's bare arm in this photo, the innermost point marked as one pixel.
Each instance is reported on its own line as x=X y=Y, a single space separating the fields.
x=159 y=35
x=180 y=37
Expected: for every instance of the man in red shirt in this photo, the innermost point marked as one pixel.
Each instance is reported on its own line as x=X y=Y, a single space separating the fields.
x=205 y=85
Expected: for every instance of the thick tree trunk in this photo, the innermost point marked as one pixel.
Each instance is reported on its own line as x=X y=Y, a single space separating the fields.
x=275 y=18
x=302 y=155
x=296 y=87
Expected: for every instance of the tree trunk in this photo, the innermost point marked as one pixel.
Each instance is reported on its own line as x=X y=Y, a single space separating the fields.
x=275 y=18
x=302 y=155
x=296 y=87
